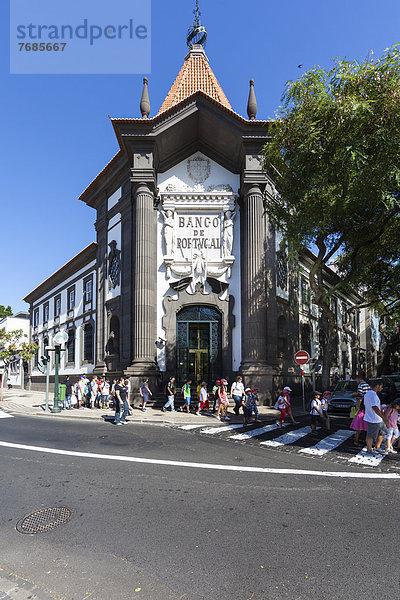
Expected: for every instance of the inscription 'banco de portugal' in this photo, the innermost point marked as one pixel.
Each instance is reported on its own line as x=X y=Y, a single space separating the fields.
x=198 y=232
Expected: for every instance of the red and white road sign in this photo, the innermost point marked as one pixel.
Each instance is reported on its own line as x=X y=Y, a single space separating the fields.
x=301 y=357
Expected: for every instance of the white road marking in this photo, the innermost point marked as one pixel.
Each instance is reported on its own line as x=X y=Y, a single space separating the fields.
x=369 y=461
x=215 y=467
x=253 y=432
x=4 y=415
x=188 y=427
x=287 y=438
x=329 y=443
x=214 y=430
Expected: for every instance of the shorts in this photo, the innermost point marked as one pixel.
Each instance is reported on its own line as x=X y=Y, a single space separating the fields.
x=316 y=419
x=392 y=432
x=247 y=412
x=187 y=400
x=375 y=429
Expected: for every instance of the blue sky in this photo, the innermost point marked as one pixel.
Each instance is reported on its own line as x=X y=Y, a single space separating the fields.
x=56 y=135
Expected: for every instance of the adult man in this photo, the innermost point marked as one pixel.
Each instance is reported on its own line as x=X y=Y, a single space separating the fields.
x=170 y=395
x=68 y=393
x=375 y=419
x=120 y=399
x=237 y=393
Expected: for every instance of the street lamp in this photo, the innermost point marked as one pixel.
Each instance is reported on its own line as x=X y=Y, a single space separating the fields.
x=60 y=338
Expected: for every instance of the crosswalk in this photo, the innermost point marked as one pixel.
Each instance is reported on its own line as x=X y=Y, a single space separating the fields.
x=322 y=447
x=4 y=415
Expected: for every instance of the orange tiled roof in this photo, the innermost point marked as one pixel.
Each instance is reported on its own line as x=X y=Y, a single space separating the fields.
x=195 y=75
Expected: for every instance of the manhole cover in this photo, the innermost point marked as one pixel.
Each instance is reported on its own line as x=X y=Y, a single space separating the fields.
x=44 y=520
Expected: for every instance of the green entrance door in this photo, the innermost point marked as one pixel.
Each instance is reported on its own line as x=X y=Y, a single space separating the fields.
x=198 y=344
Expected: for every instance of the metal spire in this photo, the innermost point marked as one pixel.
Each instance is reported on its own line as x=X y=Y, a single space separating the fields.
x=196 y=34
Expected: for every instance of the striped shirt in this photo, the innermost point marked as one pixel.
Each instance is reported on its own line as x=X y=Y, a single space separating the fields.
x=362 y=388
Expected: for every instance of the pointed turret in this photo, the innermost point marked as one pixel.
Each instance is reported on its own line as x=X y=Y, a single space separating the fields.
x=252 y=102
x=145 y=100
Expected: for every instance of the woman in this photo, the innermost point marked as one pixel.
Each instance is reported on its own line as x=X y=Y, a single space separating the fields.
x=237 y=393
x=144 y=392
x=358 y=423
x=223 y=401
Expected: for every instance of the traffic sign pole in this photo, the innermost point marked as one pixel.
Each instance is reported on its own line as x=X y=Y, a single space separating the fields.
x=47 y=384
x=301 y=358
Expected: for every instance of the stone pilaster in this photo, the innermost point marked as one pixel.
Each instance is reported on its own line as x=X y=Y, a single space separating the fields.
x=255 y=367
x=145 y=285
x=100 y=291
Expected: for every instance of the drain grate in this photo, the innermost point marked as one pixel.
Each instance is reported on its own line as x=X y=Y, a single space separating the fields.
x=44 y=520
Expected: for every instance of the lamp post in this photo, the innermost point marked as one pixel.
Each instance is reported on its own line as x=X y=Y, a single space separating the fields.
x=60 y=338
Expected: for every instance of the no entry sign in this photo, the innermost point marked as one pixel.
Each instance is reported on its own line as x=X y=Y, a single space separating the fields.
x=301 y=357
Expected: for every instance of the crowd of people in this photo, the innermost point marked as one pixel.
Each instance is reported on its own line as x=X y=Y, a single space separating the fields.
x=215 y=401
x=380 y=423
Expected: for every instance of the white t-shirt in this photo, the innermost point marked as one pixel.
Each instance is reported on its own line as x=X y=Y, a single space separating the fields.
x=316 y=407
x=281 y=402
x=371 y=399
x=237 y=388
x=203 y=394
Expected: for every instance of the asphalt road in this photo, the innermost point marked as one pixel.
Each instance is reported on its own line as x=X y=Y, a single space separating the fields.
x=167 y=532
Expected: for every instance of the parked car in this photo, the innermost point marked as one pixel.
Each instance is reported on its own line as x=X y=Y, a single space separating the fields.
x=342 y=401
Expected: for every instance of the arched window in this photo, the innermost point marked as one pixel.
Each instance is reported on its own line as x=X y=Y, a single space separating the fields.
x=88 y=343
x=305 y=334
x=71 y=346
x=113 y=338
x=282 y=346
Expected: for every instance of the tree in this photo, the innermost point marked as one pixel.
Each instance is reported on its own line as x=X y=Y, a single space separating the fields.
x=12 y=346
x=334 y=156
x=5 y=312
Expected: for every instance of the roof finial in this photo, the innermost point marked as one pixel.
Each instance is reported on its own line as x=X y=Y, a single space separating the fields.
x=252 y=102
x=196 y=34
x=145 y=100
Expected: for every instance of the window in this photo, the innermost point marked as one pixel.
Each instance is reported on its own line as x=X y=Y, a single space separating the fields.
x=36 y=355
x=305 y=292
x=57 y=306
x=36 y=317
x=306 y=338
x=71 y=346
x=45 y=344
x=88 y=291
x=281 y=270
x=282 y=337
x=45 y=312
x=71 y=298
x=88 y=343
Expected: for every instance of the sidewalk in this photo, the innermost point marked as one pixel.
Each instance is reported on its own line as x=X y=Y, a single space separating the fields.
x=33 y=404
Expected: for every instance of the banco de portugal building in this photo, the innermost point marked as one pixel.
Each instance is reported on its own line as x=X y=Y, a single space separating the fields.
x=186 y=277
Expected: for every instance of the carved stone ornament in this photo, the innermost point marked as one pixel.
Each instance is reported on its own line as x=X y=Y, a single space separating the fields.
x=114 y=264
x=198 y=168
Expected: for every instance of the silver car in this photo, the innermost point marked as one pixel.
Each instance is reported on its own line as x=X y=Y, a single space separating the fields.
x=341 y=400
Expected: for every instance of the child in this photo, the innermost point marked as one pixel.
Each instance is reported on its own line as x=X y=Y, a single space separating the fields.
x=203 y=400
x=186 y=396
x=324 y=405
x=392 y=414
x=317 y=415
x=358 y=423
x=215 y=393
x=253 y=404
x=223 y=401
x=281 y=405
x=246 y=405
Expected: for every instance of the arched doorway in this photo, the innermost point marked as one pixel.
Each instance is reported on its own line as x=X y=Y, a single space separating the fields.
x=198 y=336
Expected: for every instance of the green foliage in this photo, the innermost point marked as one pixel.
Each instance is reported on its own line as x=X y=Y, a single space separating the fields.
x=334 y=155
x=12 y=345
x=336 y=147
x=5 y=312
